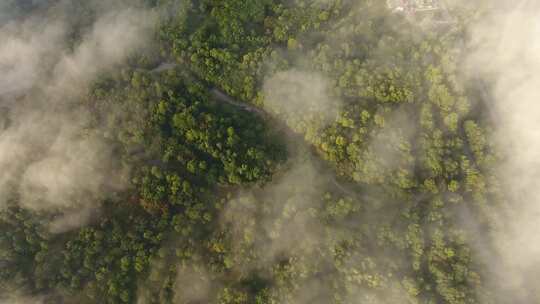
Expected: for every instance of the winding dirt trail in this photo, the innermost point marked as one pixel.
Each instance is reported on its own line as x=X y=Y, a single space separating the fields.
x=218 y=94
x=221 y=96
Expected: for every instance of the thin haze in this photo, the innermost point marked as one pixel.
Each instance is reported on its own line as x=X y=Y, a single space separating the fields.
x=507 y=54
x=298 y=92
x=48 y=158
x=49 y=162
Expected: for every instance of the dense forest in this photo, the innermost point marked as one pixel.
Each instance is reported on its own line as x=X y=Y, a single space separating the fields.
x=261 y=151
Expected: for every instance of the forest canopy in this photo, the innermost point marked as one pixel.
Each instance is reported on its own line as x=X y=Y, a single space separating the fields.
x=268 y=152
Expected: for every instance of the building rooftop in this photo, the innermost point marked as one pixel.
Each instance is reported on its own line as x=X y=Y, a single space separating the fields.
x=413 y=6
x=434 y=11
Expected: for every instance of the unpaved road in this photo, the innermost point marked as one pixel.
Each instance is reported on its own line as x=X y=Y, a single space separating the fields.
x=221 y=96
x=218 y=94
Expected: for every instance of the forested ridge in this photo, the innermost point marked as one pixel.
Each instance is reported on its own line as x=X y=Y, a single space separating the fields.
x=272 y=151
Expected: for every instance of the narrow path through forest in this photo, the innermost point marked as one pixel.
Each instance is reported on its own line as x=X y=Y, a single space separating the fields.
x=218 y=94
x=221 y=96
